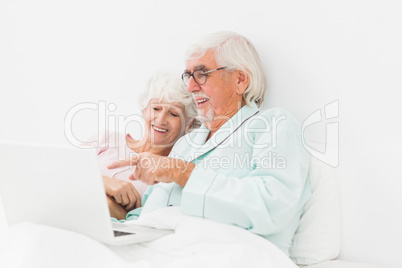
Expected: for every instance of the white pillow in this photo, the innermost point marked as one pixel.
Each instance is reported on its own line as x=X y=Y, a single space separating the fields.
x=318 y=236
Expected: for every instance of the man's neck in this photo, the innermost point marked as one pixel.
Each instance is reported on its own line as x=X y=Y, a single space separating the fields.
x=220 y=120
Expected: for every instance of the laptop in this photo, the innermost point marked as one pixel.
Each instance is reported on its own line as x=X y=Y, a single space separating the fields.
x=62 y=187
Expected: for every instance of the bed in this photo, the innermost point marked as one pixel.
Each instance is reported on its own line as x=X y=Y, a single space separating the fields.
x=196 y=242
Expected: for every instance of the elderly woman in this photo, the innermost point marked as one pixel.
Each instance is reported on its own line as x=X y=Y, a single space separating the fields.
x=169 y=112
x=243 y=167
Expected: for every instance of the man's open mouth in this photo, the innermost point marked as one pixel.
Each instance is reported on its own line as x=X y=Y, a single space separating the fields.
x=201 y=101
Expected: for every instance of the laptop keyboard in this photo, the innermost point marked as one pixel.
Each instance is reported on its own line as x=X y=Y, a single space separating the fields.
x=118 y=233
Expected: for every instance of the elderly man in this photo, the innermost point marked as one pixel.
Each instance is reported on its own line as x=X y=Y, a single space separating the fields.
x=243 y=167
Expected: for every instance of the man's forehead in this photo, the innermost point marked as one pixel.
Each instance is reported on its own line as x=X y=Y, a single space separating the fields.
x=207 y=61
x=197 y=67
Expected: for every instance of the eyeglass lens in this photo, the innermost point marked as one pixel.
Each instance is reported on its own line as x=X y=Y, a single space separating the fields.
x=199 y=77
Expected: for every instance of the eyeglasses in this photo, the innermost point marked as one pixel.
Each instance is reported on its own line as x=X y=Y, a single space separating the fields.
x=200 y=76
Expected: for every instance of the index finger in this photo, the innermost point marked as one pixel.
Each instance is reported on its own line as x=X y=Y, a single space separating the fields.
x=117 y=164
x=123 y=163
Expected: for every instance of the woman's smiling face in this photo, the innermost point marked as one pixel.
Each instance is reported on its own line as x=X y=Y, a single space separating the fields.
x=165 y=122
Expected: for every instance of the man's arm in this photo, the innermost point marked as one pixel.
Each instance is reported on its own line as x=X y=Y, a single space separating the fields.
x=262 y=201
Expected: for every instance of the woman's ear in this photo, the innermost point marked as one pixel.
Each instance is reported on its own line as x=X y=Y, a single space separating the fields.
x=243 y=80
x=144 y=111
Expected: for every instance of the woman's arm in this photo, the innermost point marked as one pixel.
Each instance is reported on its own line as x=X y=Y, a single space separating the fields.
x=123 y=193
x=115 y=209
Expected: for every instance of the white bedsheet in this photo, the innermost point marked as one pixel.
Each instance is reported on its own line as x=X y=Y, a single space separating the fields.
x=343 y=264
x=196 y=243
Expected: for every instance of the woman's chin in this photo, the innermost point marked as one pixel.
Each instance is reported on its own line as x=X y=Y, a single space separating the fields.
x=162 y=143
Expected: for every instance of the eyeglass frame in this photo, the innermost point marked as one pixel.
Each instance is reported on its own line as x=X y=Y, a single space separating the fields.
x=195 y=80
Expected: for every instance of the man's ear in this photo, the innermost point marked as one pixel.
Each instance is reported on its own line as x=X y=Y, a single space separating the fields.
x=189 y=124
x=243 y=79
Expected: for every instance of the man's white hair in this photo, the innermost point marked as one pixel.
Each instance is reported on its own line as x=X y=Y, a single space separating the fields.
x=237 y=53
x=167 y=86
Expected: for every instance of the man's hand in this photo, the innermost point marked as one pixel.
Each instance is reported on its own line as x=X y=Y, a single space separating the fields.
x=152 y=168
x=123 y=192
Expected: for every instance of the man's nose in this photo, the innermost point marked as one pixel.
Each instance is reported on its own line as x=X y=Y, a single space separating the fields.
x=192 y=85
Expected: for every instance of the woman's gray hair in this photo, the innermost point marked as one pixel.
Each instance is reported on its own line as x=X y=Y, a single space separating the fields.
x=168 y=86
x=237 y=53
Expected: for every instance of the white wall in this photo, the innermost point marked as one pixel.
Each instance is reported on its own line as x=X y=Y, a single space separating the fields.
x=56 y=55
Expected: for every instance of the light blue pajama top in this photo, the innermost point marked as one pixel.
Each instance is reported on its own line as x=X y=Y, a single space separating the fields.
x=252 y=173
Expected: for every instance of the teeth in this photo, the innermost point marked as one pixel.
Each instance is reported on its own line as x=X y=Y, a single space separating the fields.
x=160 y=129
x=201 y=101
